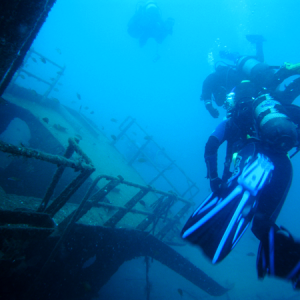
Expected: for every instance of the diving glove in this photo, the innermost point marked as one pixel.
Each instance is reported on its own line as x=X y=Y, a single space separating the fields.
x=213 y=111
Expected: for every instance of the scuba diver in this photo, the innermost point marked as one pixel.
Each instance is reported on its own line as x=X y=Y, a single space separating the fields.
x=147 y=23
x=283 y=83
x=259 y=132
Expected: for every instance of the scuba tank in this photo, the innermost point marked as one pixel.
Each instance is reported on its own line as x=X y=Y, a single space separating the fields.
x=273 y=125
x=267 y=117
x=256 y=71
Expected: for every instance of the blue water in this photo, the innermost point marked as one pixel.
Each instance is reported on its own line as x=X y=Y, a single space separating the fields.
x=116 y=78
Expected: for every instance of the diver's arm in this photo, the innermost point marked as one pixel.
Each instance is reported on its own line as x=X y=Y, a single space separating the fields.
x=206 y=96
x=211 y=155
x=208 y=105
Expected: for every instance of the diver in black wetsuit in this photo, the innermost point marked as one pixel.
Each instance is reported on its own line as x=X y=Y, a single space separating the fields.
x=218 y=84
x=147 y=23
x=275 y=128
x=283 y=84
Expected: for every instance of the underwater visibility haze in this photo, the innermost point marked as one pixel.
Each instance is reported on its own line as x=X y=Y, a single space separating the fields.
x=108 y=77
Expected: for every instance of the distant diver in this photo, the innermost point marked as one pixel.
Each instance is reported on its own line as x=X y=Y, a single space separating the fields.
x=147 y=23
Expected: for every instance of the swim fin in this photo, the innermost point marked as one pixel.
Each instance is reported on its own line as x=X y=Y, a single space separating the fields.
x=279 y=255
x=220 y=221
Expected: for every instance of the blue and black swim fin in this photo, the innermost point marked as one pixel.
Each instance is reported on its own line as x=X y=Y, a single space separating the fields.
x=279 y=255
x=220 y=221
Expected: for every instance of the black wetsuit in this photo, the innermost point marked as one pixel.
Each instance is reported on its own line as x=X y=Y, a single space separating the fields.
x=274 y=194
x=220 y=83
x=282 y=83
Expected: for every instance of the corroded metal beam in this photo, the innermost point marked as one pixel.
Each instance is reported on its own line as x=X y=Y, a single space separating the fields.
x=54 y=159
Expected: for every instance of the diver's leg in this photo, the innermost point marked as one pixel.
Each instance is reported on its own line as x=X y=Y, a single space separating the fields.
x=273 y=196
x=278 y=253
x=286 y=84
x=258 y=41
x=288 y=90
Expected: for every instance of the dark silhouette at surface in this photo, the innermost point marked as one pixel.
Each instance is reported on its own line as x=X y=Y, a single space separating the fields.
x=147 y=23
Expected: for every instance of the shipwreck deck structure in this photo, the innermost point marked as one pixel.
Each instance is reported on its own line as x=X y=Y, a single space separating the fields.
x=68 y=194
x=112 y=219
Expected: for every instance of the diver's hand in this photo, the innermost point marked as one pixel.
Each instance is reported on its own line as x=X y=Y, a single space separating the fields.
x=213 y=111
x=215 y=184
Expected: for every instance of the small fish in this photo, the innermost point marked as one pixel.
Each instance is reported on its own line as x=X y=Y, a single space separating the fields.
x=46 y=120
x=77 y=140
x=52 y=79
x=58 y=50
x=250 y=254
x=43 y=60
x=79 y=136
x=143 y=202
x=89 y=262
x=59 y=83
x=78 y=96
x=22 y=76
x=114 y=120
x=80 y=107
x=14 y=179
x=56 y=89
x=86 y=107
x=92 y=112
x=59 y=72
x=180 y=292
x=60 y=128
x=156 y=58
x=73 y=102
x=34 y=59
x=55 y=100
x=146 y=206
x=142 y=160
x=113 y=137
x=148 y=137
